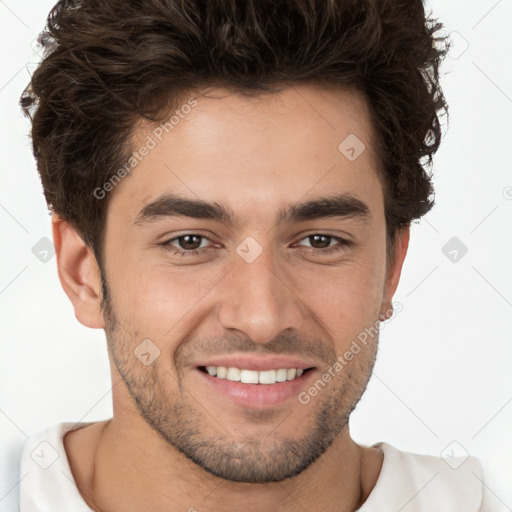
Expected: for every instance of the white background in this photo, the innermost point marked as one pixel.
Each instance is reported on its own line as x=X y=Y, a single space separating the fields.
x=443 y=371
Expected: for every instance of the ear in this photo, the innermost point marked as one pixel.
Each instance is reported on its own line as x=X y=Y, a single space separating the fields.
x=394 y=271
x=79 y=273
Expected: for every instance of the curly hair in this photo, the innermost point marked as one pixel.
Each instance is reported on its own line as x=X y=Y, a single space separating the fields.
x=109 y=64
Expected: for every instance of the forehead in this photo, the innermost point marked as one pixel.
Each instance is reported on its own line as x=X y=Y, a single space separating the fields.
x=249 y=151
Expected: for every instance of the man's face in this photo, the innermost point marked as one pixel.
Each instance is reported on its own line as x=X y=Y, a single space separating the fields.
x=267 y=285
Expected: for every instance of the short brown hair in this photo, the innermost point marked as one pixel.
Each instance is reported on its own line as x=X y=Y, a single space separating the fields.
x=111 y=63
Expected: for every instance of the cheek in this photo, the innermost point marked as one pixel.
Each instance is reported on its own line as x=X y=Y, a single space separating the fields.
x=346 y=299
x=161 y=302
x=157 y=301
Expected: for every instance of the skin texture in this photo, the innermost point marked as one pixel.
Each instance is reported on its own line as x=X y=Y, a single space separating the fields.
x=174 y=443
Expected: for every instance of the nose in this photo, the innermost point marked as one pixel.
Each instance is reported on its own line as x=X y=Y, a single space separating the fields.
x=257 y=298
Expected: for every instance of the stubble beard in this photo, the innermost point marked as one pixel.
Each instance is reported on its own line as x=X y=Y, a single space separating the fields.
x=181 y=421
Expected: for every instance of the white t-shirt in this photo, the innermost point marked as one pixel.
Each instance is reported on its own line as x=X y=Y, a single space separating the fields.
x=407 y=482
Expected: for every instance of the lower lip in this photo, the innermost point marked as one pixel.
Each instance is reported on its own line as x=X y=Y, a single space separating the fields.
x=257 y=396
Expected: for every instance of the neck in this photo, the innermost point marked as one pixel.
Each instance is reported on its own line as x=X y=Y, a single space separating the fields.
x=132 y=468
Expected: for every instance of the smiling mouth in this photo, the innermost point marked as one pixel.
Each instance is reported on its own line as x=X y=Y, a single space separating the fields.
x=234 y=374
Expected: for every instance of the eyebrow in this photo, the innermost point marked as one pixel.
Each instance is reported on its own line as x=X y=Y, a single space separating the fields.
x=342 y=205
x=170 y=205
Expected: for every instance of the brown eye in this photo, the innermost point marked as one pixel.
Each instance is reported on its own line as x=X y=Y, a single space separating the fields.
x=324 y=243
x=320 y=241
x=189 y=242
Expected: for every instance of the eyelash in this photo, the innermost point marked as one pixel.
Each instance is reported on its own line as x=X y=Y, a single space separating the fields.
x=342 y=244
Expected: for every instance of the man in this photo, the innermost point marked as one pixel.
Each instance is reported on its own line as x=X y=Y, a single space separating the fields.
x=232 y=185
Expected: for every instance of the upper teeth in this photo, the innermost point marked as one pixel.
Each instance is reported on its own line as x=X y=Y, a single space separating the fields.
x=254 y=377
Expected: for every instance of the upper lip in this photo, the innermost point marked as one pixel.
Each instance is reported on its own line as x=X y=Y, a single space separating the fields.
x=258 y=363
